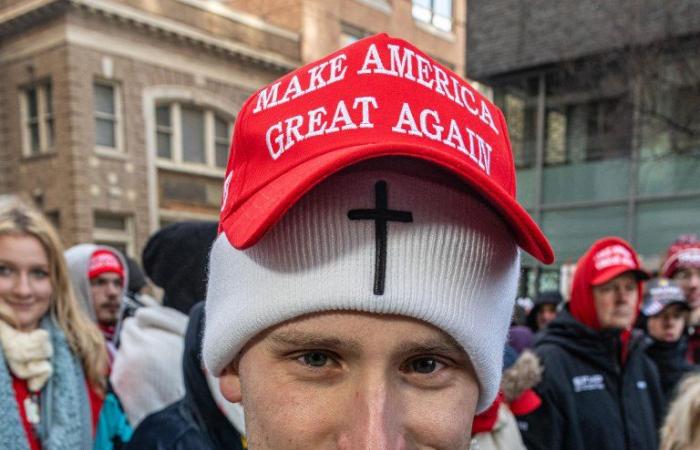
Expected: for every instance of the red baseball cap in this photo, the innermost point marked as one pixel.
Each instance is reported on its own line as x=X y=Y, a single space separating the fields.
x=104 y=261
x=613 y=258
x=377 y=97
x=683 y=253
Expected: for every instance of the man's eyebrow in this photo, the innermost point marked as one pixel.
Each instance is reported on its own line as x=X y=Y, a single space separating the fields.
x=306 y=340
x=430 y=346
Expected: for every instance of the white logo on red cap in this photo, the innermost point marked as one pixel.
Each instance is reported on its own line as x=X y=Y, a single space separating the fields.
x=338 y=115
x=689 y=257
x=615 y=255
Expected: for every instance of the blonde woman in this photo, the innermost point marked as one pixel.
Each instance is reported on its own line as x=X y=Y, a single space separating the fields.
x=681 y=430
x=52 y=357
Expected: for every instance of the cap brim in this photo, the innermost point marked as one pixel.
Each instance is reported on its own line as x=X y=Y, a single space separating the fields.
x=247 y=224
x=615 y=271
x=648 y=312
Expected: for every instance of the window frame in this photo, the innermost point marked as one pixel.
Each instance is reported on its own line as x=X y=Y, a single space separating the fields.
x=433 y=14
x=117 y=118
x=109 y=236
x=176 y=161
x=44 y=115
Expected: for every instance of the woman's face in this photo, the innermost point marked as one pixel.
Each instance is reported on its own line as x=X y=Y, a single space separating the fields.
x=25 y=284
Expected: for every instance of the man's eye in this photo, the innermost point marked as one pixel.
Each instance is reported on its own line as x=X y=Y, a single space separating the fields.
x=424 y=365
x=5 y=271
x=314 y=359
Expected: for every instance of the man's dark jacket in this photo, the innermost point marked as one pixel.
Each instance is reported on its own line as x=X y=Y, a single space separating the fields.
x=195 y=422
x=589 y=400
x=669 y=358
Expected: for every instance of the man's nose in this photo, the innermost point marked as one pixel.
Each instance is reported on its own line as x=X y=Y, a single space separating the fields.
x=114 y=288
x=695 y=280
x=375 y=421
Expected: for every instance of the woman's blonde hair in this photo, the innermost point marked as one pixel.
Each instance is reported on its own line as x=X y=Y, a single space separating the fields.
x=681 y=430
x=84 y=338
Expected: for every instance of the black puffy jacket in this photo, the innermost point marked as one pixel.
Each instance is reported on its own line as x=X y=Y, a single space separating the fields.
x=589 y=400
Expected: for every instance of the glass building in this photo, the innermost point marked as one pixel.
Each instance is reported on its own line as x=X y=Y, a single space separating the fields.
x=606 y=140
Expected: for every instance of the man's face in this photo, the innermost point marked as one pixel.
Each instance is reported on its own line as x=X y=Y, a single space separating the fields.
x=107 y=289
x=616 y=301
x=688 y=279
x=546 y=314
x=668 y=325
x=349 y=380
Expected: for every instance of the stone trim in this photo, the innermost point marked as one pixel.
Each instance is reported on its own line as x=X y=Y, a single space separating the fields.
x=242 y=18
x=17 y=18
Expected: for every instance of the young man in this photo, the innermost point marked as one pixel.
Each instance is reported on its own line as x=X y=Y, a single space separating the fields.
x=361 y=288
x=683 y=265
x=599 y=390
x=98 y=274
x=665 y=318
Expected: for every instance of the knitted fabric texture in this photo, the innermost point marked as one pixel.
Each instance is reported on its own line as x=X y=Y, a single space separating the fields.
x=27 y=354
x=455 y=266
x=66 y=421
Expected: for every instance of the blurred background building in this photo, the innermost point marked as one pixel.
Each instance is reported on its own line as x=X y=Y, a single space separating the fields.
x=117 y=115
x=602 y=99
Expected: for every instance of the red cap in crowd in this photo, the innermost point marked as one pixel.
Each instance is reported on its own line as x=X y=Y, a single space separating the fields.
x=683 y=253
x=377 y=97
x=104 y=261
x=606 y=259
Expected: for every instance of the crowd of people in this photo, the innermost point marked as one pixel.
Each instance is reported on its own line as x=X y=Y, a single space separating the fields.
x=337 y=304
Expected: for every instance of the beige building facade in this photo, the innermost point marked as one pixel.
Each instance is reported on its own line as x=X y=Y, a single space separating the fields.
x=117 y=114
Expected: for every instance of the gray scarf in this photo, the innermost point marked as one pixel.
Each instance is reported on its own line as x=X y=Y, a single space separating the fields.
x=66 y=420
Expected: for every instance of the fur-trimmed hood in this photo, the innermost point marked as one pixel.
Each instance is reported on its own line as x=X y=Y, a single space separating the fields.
x=525 y=374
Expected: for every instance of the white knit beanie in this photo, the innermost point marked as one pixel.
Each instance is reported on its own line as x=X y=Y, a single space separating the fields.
x=455 y=265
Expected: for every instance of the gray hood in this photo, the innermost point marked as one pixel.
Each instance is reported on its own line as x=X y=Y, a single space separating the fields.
x=78 y=260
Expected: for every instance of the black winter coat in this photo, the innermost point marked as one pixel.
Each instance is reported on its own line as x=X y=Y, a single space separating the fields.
x=590 y=401
x=195 y=422
x=671 y=363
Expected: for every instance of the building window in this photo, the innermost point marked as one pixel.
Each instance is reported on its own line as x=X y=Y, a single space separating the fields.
x=595 y=130
x=37 y=119
x=191 y=136
x=115 y=230
x=685 y=121
x=351 y=33
x=106 y=109
x=437 y=13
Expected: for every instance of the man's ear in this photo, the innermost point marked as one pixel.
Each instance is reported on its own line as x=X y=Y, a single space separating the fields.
x=230 y=384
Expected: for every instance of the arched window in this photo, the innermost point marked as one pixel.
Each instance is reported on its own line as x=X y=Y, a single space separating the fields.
x=191 y=135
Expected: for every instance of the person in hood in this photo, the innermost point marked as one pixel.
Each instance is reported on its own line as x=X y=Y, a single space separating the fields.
x=152 y=341
x=99 y=275
x=197 y=421
x=664 y=318
x=544 y=310
x=175 y=260
x=682 y=264
x=599 y=389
